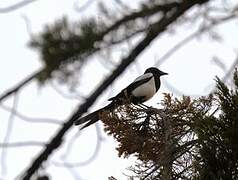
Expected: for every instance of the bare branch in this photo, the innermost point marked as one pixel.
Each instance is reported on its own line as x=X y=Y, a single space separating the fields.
x=31 y=119
x=19 y=85
x=15 y=6
x=27 y=24
x=122 y=4
x=87 y=161
x=183 y=42
x=65 y=95
x=83 y=7
x=218 y=62
x=8 y=135
x=229 y=72
x=74 y=173
x=146 y=12
x=21 y=144
x=153 y=32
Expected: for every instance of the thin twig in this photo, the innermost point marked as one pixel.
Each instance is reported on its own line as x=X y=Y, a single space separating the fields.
x=81 y=8
x=142 y=13
x=21 y=144
x=153 y=32
x=30 y=119
x=8 y=135
x=19 y=85
x=65 y=95
x=230 y=71
x=190 y=37
x=87 y=161
x=15 y=6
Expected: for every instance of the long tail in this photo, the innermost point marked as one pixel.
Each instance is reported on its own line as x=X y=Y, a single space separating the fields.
x=92 y=117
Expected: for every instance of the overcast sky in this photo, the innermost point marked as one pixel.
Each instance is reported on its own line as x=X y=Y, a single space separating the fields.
x=191 y=71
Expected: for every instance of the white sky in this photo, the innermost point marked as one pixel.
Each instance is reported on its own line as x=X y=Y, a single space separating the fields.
x=190 y=70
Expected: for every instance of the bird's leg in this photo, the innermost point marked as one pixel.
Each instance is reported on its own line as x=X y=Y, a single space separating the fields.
x=149 y=110
x=143 y=126
x=127 y=98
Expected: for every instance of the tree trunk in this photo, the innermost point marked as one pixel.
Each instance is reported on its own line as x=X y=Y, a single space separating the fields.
x=167 y=167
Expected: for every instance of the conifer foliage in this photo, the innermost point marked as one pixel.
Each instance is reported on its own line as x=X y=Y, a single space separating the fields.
x=185 y=139
x=218 y=147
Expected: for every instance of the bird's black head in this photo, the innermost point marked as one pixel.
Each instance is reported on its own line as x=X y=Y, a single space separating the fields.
x=155 y=71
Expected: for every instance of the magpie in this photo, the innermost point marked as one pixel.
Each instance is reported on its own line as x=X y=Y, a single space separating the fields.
x=140 y=90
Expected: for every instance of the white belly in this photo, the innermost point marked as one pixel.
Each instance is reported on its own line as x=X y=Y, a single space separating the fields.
x=147 y=90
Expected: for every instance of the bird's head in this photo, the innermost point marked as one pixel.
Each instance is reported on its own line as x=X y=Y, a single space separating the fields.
x=155 y=71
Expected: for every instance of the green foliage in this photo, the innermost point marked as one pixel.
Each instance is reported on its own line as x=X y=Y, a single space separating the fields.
x=218 y=148
x=64 y=43
x=65 y=46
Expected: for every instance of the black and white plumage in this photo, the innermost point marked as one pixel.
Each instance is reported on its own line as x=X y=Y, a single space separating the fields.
x=140 y=90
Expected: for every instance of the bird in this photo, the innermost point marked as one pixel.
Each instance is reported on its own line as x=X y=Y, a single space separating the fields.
x=140 y=90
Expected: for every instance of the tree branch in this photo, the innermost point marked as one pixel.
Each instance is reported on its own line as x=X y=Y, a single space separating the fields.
x=153 y=32
x=10 y=125
x=19 y=85
x=21 y=144
x=142 y=13
x=132 y=16
x=31 y=119
x=16 y=6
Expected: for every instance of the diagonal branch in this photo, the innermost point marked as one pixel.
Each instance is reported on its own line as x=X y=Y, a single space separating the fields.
x=15 y=6
x=19 y=85
x=153 y=32
x=139 y=14
x=142 y=13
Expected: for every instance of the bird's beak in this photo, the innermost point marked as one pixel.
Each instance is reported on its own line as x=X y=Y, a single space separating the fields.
x=163 y=73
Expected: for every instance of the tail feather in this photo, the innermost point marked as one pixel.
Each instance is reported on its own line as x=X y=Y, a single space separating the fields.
x=89 y=117
x=92 y=121
x=93 y=117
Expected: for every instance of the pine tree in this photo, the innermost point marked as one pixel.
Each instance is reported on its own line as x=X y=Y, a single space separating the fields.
x=185 y=139
x=218 y=137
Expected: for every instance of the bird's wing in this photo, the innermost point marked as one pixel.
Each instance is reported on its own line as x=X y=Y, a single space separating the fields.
x=143 y=77
x=137 y=82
